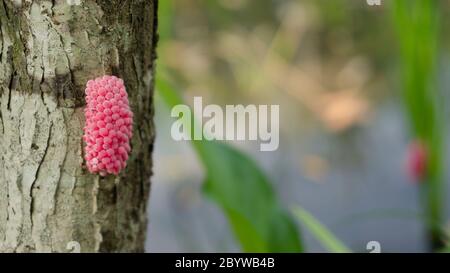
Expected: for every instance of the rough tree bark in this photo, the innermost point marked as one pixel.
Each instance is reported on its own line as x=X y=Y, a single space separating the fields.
x=48 y=51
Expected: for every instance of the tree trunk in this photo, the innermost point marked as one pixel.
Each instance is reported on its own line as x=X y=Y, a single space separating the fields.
x=48 y=51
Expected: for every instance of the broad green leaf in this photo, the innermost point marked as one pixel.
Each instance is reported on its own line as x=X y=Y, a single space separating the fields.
x=246 y=233
x=243 y=191
x=320 y=232
x=238 y=185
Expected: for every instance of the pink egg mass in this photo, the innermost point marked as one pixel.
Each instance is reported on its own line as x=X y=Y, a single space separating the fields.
x=108 y=128
x=417 y=160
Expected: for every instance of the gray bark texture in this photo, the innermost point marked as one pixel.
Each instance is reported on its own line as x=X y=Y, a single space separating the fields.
x=49 y=202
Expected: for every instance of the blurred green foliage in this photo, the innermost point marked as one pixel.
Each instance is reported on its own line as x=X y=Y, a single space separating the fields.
x=417 y=23
x=233 y=180
x=165 y=20
x=244 y=48
x=328 y=240
x=242 y=190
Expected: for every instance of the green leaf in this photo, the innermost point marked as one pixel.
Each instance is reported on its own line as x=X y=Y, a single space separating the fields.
x=320 y=232
x=417 y=21
x=246 y=233
x=242 y=191
x=237 y=184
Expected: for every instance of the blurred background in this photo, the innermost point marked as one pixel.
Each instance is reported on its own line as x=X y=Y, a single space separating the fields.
x=341 y=72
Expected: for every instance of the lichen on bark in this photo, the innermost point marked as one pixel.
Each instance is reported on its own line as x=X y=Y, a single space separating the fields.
x=48 y=51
